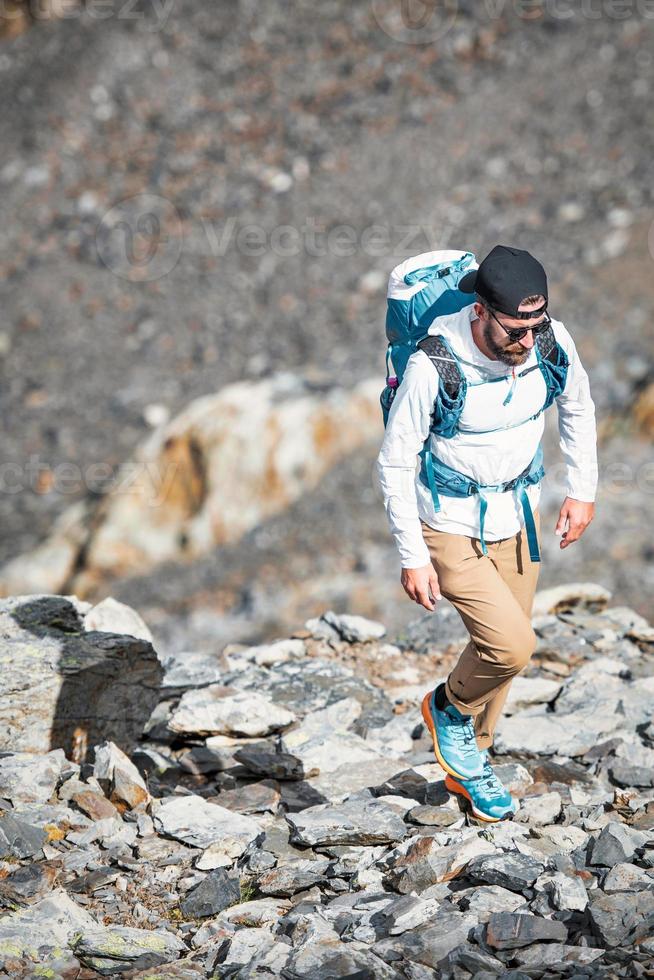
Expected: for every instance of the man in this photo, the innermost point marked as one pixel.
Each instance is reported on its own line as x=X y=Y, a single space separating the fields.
x=489 y=577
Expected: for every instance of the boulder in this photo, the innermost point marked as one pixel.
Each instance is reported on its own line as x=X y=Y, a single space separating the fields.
x=66 y=687
x=190 y=487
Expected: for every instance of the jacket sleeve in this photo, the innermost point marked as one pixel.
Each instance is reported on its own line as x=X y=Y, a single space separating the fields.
x=406 y=430
x=577 y=428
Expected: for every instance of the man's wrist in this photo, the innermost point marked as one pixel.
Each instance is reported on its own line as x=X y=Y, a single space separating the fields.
x=416 y=563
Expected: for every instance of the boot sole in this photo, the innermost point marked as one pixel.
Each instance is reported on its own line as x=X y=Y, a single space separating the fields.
x=429 y=721
x=455 y=787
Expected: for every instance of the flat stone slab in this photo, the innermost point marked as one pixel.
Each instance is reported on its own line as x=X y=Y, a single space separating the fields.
x=219 y=710
x=352 y=822
x=194 y=821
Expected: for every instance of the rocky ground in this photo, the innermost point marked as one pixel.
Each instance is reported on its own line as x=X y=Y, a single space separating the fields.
x=234 y=112
x=283 y=815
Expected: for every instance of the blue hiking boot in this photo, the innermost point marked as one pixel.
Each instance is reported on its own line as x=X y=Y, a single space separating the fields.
x=455 y=743
x=488 y=798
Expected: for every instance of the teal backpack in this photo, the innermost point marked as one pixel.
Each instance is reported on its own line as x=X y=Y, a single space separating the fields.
x=420 y=290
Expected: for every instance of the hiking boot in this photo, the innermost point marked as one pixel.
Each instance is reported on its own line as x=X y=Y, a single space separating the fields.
x=455 y=743
x=488 y=798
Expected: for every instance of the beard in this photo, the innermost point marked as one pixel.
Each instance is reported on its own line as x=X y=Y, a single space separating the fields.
x=512 y=354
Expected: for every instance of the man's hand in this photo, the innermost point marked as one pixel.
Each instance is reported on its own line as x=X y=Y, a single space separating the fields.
x=578 y=514
x=421 y=585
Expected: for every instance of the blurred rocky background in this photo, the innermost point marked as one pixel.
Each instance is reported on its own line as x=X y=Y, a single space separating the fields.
x=200 y=207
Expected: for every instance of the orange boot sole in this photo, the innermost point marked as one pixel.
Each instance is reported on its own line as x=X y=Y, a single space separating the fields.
x=454 y=787
x=429 y=722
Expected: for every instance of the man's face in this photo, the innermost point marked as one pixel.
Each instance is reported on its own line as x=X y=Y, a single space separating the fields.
x=509 y=351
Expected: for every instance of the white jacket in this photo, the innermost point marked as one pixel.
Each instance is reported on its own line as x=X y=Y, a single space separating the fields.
x=491 y=457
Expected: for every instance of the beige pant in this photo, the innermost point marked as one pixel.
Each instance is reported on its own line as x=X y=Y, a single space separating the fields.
x=493 y=594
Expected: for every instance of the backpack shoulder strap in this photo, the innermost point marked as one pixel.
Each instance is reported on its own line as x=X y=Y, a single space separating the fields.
x=547 y=344
x=440 y=354
x=554 y=364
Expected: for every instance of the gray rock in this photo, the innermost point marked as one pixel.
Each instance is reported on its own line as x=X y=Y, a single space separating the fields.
x=307 y=686
x=526 y=691
x=571 y=595
x=222 y=710
x=321 y=752
x=278 y=765
x=351 y=822
x=513 y=871
x=256 y=797
x=553 y=955
x=337 y=716
x=191 y=669
x=434 y=816
x=32 y=777
x=433 y=632
x=629 y=775
x=320 y=629
x=352 y=629
x=536 y=731
x=625 y=877
x=484 y=901
x=46 y=925
x=427 y=862
x=171 y=971
x=565 y=891
x=622 y=919
x=118 y=948
x=472 y=959
x=216 y=892
x=107 y=682
x=332 y=958
x=394 y=739
x=27 y=883
x=631 y=750
x=196 y=822
x=428 y=945
x=509 y=930
x=564 y=838
x=251 y=948
x=514 y=776
x=347 y=779
x=616 y=843
x=267 y=654
x=539 y=810
x=259 y=912
x=405 y=913
x=292 y=877
x=269 y=960
x=110 y=616
x=19 y=838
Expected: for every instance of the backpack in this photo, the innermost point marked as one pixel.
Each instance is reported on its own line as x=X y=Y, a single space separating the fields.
x=420 y=290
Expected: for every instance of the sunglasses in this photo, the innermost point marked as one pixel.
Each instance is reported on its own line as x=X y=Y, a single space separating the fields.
x=519 y=332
